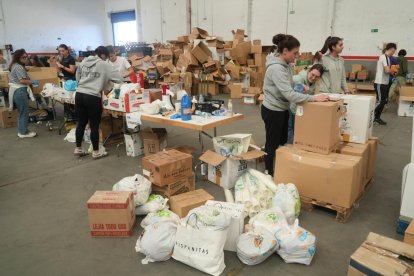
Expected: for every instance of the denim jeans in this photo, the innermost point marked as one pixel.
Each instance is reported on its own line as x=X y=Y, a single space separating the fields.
x=21 y=100
x=291 y=127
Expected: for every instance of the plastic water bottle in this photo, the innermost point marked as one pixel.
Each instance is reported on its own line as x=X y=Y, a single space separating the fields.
x=185 y=108
x=230 y=108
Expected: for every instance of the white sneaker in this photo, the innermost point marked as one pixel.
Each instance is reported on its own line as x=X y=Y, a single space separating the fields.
x=30 y=134
x=99 y=154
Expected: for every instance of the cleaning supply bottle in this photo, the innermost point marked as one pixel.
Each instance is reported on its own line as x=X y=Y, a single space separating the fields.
x=230 y=108
x=185 y=108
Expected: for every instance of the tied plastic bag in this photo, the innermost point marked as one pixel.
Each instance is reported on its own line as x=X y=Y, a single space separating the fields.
x=160 y=216
x=155 y=203
x=70 y=85
x=71 y=136
x=288 y=200
x=49 y=90
x=234 y=144
x=297 y=245
x=271 y=220
x=138 y=185
x=254 y=247
x=156 y=241
x=208 y=217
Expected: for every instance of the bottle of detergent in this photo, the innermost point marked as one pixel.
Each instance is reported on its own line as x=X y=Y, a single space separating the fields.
x=186 y=108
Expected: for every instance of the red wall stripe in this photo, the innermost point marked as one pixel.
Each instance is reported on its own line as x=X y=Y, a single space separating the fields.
x=368 y=57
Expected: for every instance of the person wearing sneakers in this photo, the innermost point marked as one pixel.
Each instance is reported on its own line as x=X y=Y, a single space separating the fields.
x=93 y=75
x=20 y=92
x=279 y=94
x=382 y=80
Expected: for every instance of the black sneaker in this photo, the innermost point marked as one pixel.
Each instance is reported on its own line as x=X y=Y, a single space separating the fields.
x=380 y=121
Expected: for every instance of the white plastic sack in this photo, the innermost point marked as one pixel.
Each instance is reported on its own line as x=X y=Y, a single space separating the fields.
x=234 y=144
x=160 y=216
x=151 y=108
x=49 y=90
x=288 y=200
x=297 y=245
x=138 y=185
x=71 y=136
x=156 y=241
x=154 y=204
x=271 y=219
x=209 y=218
x=256 y=246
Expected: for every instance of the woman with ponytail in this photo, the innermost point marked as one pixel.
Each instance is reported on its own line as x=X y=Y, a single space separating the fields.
x=334 y=78
x=279 y=94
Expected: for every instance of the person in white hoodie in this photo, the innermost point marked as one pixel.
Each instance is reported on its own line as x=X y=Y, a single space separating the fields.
x=334 y=78
x=93 y=75
x=279 y=94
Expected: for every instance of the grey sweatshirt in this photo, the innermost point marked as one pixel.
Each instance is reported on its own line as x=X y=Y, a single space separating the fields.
x=93 y=75
x=278 y=86
x=333 y=79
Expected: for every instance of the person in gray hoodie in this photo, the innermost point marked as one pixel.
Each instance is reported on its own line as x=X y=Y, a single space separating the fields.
x=93 y=75
x=334 y=78
x=279 y=94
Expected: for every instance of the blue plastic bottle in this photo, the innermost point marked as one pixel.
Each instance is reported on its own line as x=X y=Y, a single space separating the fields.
x=186 y=108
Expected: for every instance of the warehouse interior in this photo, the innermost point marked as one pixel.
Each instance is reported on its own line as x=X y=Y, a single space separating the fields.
x=44 y=189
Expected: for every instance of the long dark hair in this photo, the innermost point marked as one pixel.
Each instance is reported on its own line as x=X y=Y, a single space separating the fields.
x=102 y=50
x=282 y=41
x=64 y=46
x=318 y=67
x=329 y=44
x=16 y=58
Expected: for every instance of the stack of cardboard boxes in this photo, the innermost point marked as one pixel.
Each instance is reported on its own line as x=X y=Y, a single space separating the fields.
x=358 y=72
x=330 y=162
x=406 y=101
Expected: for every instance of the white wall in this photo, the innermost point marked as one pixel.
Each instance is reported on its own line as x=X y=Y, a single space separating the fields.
x=112 y=6
x=37 y=25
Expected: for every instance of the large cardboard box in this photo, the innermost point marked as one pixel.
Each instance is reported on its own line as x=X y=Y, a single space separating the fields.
x=358 y=117
x=224 y=171
x=133 y=144
x=356 y=68
x=182 y=204
x=8 y=118
x=130 y=103
x=154 y=140
x=317 y=126
x=372 y=158
x=43 y=75
x=380 y=255
x=201 y=52
x=250 y=98
x=409 y=233
x=407 y=91
x=236 y=211
x=333 y=178
x=167 y=167
x=108 y=126
x=111 y=214
x=236 y=90
x=241 y=52
x=4 y=79
x=406 y=106
x=183 y=185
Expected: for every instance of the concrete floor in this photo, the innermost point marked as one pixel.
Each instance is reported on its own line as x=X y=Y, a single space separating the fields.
x=44 y=223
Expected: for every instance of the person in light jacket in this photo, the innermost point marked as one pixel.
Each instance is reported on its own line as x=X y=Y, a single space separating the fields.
x=93 y=75
x=279 y=94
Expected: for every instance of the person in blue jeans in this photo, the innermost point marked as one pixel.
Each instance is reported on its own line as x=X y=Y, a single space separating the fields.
x=20 y=92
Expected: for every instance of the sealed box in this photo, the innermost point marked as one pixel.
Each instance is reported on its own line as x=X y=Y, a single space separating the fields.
x=4 y=79
x=333 y=178
x=356 y=68
x=8 y=118
x=372 y=158
x=409 y=233
x=109 y=126
x=236 y=90
x=357 y=119
x=406 y=106
x=43 y=75
x=181 y=204
x=317 y=126
x=133 y=144
x=236 y=211
x=166 y=167
x=250 y=98
x=155 y=140
x=131 y=102
x=380 y=255
x=111 y=214
x=183 y=185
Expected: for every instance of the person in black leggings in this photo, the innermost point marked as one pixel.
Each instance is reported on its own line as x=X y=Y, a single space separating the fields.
x=93 y=75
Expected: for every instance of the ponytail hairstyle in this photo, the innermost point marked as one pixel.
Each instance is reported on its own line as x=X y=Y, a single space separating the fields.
x=16 y=58
x=330 y=43
x=282 y=41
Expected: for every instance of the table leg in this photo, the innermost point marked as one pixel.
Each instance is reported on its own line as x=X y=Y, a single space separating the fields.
x=215 y=132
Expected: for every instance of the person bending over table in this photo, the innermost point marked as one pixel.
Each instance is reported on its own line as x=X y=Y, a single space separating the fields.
x=120 y=63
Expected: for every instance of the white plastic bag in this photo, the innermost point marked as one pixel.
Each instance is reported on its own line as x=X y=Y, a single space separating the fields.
x=271 y=219
x=160 y=216
x=297 y=245
x=287 y=199
x=156 y=241
x=138 y=185
x=254 y=247
x=208 y=217
x=154 y=203
x=71 y=136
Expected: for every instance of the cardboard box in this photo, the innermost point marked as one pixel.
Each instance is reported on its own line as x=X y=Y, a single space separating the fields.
x=201 y=52
x=356 y=68
x=199 y=33
x=166 y=167
x=224 y=171
x=372 y=158
x=352 y=76
x=363 y=75
x=236 y=211
x=213 y=88
x=256 y=49
x=250 y=98
x=130 y=103
x=236 y=90
x=4 y=79
x=154 y=140
x=379 y=255
x=133 y=144
x=215 y=41
x=259 y=60
x=241 y=52
x=407 y=91
x=183 y=185
x=317 y=126
x=108 y=126
x=358 y=118
x=43 y=75
x=333 y=178
x=182 y=204
x=150 y=95
x=406 y=106
x=8 y=118
x=409 y=233
x=234 y=70
x=111 y=214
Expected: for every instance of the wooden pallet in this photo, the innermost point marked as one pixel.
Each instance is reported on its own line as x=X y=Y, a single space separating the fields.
x=342 y=213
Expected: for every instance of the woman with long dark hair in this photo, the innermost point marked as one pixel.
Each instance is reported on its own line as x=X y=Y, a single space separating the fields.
x=279 y=93
x=66 y=63
x=20 y=91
